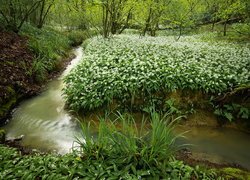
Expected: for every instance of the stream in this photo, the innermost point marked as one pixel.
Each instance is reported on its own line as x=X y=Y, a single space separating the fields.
x=43 y=120
x=47 y=126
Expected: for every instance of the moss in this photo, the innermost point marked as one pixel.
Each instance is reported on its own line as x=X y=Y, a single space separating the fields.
x=8 y=102
x=4 y=109
x=10 y=90
x=2 y=136
x=185 y=98
x=234 y=173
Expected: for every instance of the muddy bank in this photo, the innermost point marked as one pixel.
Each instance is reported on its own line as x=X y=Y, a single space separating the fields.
x=15 y=143
x=17 y=79
x=15 y=61
x=227 y=170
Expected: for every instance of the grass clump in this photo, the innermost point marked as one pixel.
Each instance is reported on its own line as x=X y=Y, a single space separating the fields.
x=77 y=37
x=127 y=150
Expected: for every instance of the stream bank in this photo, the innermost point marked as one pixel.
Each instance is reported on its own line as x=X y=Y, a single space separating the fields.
x=22 y=74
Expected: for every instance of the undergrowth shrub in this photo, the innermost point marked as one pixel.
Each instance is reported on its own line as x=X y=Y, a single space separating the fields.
x=77 y=37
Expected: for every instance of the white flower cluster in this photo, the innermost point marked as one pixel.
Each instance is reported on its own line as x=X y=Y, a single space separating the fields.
x=127 y=65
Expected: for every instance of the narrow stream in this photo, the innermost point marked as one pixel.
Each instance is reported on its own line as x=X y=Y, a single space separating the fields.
x=47 y=126
x=43 y=121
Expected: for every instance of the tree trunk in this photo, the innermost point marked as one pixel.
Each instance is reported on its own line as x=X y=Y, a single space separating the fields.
x=147 y=22
x=212 y=29
x=43 y=13
x=126 y=23
x=180 y=32
x=40 y=21
x=105 y=22
x=225 y=28
x=153 y=32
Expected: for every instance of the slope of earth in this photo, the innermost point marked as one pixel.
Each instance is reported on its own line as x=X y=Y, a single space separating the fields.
x=15 y=71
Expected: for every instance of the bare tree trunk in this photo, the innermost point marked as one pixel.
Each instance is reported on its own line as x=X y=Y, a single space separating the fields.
x=212 y=29
x=225 y=28
x=180 y=32
x=113 y=17
x=43 y=14
x=147 y=22
x=127 y=22
x=39 y=24
x=105 y=21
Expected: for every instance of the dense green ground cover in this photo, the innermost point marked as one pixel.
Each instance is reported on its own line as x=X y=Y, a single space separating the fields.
x=52 y=166
x=125 y=67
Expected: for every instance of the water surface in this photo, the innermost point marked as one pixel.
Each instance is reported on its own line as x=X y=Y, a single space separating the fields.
x=218 y=145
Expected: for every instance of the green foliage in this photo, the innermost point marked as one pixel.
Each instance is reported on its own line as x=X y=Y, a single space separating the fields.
x=126 y=68
x=46 y=42
x=49 y=46
x=179 y=170
x=51 y=166
x=170 y=105
x=131 y=31
x=15 y=166
x=178 y=109
x=8 y=104
x=128 y=143
x=135 y=151
x=77 y=37
x=228 y=9
x=39 y=70
x=243 y=29
x=234 y=173
x=232 y=111
x=15 y=12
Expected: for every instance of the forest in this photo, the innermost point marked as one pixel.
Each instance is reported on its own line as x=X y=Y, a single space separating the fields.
x=125 y=89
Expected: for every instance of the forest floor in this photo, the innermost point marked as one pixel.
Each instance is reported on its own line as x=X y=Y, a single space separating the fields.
x=15 y=61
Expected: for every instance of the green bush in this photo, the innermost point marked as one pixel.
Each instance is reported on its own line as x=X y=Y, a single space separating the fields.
x=243 y=29
x=77 y=37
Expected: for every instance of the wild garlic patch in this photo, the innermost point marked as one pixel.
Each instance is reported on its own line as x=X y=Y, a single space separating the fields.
x=128 y=65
